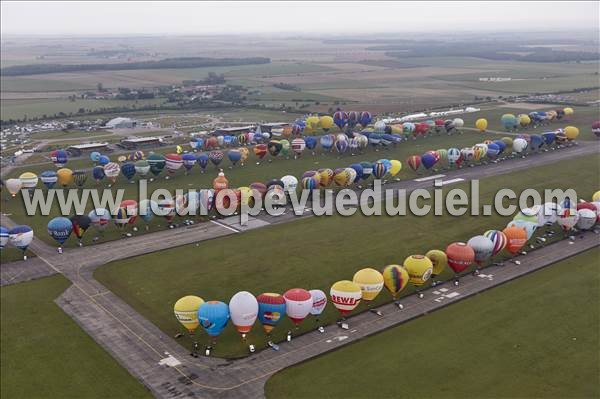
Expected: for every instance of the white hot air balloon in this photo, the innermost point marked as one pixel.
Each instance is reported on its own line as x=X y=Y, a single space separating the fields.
x=243 y=309
x=319 y=302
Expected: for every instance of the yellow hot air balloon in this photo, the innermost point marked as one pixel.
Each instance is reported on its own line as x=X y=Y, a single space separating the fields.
x=396 y=167
x=524 y=120
x=419 y=269
x=370 y=282
x=571 y=132
x=121 y=158
x=345 y=296
x=64 y=176
x=596 y=196
x=29 y=180
x=395 y=278
x=244 y=152
x=341 y=178
x=439 y=260
x=481 y=124
x=568 y=111
x=186 y=311
x=326 y=122
x=312 y=122
x=179 y=149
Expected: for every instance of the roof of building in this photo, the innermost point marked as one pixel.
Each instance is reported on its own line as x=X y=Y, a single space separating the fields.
x=88 y=146
x=141 y=139
x=119 y=120
x=235 y=129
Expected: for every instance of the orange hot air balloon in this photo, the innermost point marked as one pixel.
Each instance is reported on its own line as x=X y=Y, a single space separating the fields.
x=460 y=256
x=220 y=182
x=516 y=237
x=414 y=161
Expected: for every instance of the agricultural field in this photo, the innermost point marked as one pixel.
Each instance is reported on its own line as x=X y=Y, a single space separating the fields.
x=315 y=251
x=44 y=352
x=534 y=328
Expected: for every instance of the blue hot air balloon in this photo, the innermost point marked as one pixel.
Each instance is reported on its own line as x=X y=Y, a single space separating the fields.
x=213 y=317
x=128 y=170
x=549 y=137
x=234 y=156
x=59 y=158
x=379 y=170
x=311 y=142
x=428 y=160
x=365 y=118
x=359 y=171
x=536 y=142
x=501 y=145
x=98 y=173
x=60 y=229
x=387 y=163
x=340 y=118
x=374 y=139
x=326 y=142
x=228 y=140
x=341 y=146
x=492 y=150
x=103 y=160
x=49 y=178
x=95 y=156
x=367 y=169
x=202 y=160
x=189 y=160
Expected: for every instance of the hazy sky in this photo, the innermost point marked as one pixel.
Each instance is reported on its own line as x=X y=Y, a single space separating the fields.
x=93 y=18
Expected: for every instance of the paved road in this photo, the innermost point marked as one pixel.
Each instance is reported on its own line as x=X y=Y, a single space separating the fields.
x=139 y=346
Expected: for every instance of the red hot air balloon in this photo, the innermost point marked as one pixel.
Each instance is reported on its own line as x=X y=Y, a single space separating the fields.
x=298 y=304
x=414 y=161
x=460 y=256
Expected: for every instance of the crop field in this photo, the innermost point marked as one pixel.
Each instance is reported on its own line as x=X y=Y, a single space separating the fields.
x=534 y=327
x=315 y=251
x=46 y=354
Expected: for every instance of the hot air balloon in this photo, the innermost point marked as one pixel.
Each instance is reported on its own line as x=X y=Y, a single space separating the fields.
x=419 y=269
x=65 y=177
x=483 y=248
x=414 y=161
x=596 y=128
x=345 y=296
x=173 y=162
x=439 y=261
x=20 y=237
x=524 y=120
x=395 y=278
x=99 y=219
x=128 y=170
x=460 y=256
x=341 y=146
x=213 y=317
x=271 y=308
x=326 y=122
x=126 y=214
x=519 y=145
x=370 y=282
x=571 y=132
x=567 y=218
x=290 y=183
x=454 y=157
x=379 y=170
x=319 y=301
x=260 y=150
x=29 y=181
x=298 y=145
x=327 y=141
x=186 y=311
x=80 y=225
x=157 y=163
x=243 y=309
x=516 y=237
x=189 y=160
x=111 y=170
x=396 y=167
x=498 y=238
x=509 y=121
x=207 y=197
x=428 y=160
x=59 y=158
x=481 y=124
x=3 y=237
x=103 y=160
x=49 y=178
x=298 y=304
x=586 y=218
x=98 y=173
x=95 y=156
x=60 y=229
x=311 y=142
x=340 y=118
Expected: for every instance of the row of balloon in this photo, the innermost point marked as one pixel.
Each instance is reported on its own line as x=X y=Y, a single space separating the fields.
x=510 y=122
x=244 y=308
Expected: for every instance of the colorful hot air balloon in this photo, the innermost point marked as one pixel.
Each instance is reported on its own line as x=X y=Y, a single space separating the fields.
x=260 y=150
x=243 y=310
x=298 y=304
x=516 y=237
x=509 y=121
x=370 y=282
x=111 y=170
x=481 y=124
x=365 y=118
x=395 y=278
x=186 y=311
x=59 y=158
x=460 y=256
x=414 y=161
x=20 y=237
x=213 y=317
x=396 y=167
x=126 y=214
x=498 y=238
x=173 y=162
x=271 y=308
x=49 y=178
x=483 y=248
x=340 y=118
x=567 y=218
x=345 y=296
x=29 y=181
x=80 y=225
x=157 y=163
x=99 y=218
x=319 y=301
x=439 y=261
x=419 y=269
x=60 y=229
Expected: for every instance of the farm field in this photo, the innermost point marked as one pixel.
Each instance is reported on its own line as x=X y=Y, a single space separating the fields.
x=311 y=253
x=534 y=327
x=238 y=176
x=45 y=353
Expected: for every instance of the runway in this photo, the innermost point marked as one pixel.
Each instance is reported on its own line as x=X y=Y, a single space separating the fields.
x=142 y=348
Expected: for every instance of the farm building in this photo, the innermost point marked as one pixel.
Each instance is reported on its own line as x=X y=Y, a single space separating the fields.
x=121 y=123
x=233 y=130
x=78 y=149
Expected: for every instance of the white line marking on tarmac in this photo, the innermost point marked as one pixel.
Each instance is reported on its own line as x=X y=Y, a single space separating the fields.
x=225 y=226
x=429 y=178
x=443 y=183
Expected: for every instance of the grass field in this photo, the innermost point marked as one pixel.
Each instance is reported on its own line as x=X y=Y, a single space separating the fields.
x=45 y=354
x=517 y=340
x=311 y=253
